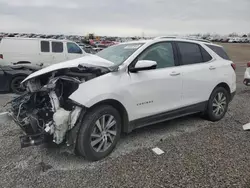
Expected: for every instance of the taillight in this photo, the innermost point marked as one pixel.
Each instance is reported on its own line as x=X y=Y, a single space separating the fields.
x=233 y=66
x=1 y=56
x=248 y=64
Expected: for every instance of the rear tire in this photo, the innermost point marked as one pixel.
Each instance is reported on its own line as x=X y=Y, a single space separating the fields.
x=94 y=140
x=218 y=104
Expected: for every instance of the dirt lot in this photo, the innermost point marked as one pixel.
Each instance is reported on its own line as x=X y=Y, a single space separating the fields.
x=239 y=53
x=198 y=153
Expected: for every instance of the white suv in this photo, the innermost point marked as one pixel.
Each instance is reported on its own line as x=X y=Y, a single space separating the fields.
x=88 y=102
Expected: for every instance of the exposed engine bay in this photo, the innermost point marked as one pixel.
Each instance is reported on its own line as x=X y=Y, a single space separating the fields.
x=45 y=111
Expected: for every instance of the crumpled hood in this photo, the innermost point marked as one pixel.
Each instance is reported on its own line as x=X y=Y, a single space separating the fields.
x=88 y=61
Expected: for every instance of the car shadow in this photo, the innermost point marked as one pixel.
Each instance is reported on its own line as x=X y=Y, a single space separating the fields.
x=57 y=155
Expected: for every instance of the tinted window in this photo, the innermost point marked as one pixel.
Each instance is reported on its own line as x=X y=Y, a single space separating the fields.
x=206 y=56
x=162 y=53
x=190 y=53
x=45 y=46
x=73 y=48
x=219 y=51
x=57 y=47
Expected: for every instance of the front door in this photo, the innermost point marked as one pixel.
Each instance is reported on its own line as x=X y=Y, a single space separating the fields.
x=73 y=51
x=158 y=90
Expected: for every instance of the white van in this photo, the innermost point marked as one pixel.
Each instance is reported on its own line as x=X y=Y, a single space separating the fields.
x=37 y=51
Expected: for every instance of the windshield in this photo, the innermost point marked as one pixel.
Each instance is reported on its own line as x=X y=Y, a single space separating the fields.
x=119 y=53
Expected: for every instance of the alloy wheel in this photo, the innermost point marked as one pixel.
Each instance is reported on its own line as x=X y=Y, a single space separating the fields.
x=104 y=133
x=219 y=104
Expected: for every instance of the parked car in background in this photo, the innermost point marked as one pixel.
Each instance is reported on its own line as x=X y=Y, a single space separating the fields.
x=235 y=40
x=225 y=39
x=99 y=48
x=247 y=75
x=37 y=51
x=88 y=49
x=12 y=76
x=245 y=40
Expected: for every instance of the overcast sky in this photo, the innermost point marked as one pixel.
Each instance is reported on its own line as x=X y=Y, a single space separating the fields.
x=125 y=17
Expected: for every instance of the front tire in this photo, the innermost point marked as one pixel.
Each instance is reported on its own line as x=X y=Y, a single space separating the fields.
x=99 y=132
x=218 y=104
x=15 y=85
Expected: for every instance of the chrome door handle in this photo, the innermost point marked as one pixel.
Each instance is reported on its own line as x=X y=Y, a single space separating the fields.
x=212 y=68
x=174 y=73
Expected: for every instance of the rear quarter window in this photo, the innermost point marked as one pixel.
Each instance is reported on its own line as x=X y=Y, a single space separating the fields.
x=206 y=56
x=219 y=51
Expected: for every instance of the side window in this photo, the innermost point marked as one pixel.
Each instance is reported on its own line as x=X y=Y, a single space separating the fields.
x=190 y=53
x=57 y=47
x=219 y=51
x=45 y=46
x=206 y=56
x=73 y=48
x=162 y=53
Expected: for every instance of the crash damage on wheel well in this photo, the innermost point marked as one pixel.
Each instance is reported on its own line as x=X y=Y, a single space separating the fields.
x=45 y=111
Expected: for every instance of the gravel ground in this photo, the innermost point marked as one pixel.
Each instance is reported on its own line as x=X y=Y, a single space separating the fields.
x=198 y=153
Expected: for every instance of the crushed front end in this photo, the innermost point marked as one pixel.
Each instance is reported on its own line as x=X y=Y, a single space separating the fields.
x=45 y=113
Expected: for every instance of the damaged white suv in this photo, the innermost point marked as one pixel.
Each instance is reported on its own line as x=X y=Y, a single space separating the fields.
x=88 y=102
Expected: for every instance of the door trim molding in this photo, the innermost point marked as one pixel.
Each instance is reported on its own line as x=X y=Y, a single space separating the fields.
x=165 y=116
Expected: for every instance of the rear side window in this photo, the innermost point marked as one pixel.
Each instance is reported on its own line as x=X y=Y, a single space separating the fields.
x=73 y=48
x=219 y=51
x=190 y=53
x=45 y=46
x=57 y=47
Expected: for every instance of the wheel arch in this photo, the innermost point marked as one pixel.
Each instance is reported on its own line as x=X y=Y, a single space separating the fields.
x=14 y=77
x=18 y=75
x=224 y=85
x=120 y=108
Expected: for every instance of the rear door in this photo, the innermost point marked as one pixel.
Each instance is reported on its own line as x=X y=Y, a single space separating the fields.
x=73 y=51
x=197 y=74
x=58 y=52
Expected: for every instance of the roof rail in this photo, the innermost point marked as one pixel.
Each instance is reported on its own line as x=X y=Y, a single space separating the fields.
x=201 y=40
x=187 y=38
x=163 y=37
